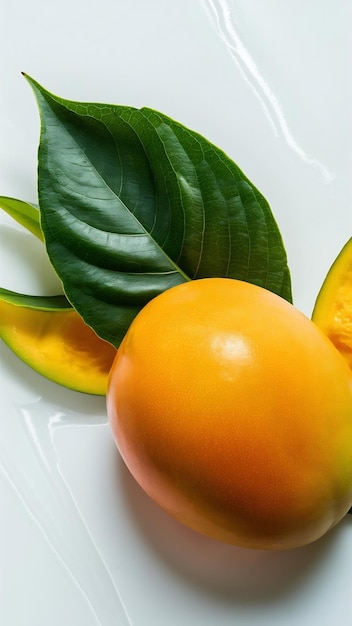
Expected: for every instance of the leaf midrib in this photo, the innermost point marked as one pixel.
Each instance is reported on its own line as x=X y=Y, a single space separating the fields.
x=157 y=245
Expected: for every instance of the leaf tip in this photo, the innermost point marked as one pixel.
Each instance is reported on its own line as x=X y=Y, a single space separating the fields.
x=30 y=80
x=26 y=76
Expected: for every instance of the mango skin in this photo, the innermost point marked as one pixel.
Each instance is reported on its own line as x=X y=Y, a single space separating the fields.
x=58 y=345
x=234 y=413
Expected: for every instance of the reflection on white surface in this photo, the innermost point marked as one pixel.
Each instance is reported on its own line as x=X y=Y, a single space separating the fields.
x=30 y=464
x=222 y=15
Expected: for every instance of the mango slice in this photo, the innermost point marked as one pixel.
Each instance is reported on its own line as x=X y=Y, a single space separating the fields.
x=333 y=307
x=54 y=341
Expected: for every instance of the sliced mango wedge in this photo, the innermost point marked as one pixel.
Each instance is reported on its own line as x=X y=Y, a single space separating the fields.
x=46 y=332
x=333 y=307
x=50 y=336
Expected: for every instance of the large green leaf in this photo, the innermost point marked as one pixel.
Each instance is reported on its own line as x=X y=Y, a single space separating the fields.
x=133 y=203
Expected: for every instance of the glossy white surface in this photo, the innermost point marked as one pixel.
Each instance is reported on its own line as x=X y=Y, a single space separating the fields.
x=269 y=82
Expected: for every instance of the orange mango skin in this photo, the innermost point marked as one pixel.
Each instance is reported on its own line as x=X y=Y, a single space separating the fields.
x=58 y=345
x=333 y=308
x=234 y=413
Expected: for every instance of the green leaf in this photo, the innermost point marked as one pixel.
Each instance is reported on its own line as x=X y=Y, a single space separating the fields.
x=133 y=203
x=40 y=303
x=24 y=213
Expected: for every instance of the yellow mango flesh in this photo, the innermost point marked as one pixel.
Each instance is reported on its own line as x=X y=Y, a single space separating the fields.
x=58 y=345
x=333 y=308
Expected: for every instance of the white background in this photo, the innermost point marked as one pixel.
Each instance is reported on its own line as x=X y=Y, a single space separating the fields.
x=268 y=82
